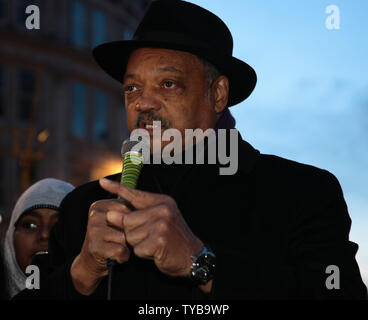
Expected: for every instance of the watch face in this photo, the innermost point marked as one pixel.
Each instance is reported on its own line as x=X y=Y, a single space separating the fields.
x=204 y=268
x=207 y=259
x=203 y=274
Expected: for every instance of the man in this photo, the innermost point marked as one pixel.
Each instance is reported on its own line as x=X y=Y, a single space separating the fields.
x=271 y=230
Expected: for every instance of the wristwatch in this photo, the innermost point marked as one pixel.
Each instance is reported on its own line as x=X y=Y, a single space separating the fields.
x=203 y=267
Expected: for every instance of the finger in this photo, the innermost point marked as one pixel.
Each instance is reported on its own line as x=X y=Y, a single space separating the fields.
x=104 y=240
x=139 y=199
x=154 y=247
x=115 y=219
x=140 y=224
x=138 y=218
x=145 y=249
x=117 y=252
x=112 y=204
x=96 y=216
x=111 y=218
x=115 y=236
x=136 y=236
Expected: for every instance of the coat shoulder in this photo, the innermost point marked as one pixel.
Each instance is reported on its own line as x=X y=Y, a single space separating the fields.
x=295 y=175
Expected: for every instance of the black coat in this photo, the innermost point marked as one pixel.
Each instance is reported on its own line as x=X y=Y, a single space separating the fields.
x=275 y=226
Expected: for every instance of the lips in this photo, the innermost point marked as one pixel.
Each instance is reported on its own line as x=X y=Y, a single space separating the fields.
x=43 y=250
x=36 y=254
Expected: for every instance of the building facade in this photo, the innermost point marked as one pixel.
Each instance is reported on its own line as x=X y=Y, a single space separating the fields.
x=60 y=115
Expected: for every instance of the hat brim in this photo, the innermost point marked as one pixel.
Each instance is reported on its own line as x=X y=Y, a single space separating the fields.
x=113 y=58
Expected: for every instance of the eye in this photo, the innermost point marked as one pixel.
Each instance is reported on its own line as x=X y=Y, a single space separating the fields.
x=29 y=225
x=130 y=88
x=169 y=84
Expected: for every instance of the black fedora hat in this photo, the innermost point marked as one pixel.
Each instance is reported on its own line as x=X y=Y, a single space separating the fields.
x=181 y=25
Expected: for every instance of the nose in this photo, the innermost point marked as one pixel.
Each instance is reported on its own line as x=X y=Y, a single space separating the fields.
x=45 y=234
x=148 y=101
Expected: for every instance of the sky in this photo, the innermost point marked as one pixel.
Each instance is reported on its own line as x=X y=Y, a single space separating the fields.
x=310 y=103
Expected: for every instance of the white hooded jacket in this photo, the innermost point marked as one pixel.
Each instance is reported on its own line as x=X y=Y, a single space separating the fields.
x=46 y=193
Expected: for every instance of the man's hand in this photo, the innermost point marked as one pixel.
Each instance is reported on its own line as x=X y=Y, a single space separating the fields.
x=156 y=229
x=104 y=240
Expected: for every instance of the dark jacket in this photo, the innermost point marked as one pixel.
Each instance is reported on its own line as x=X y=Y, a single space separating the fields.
x=275 y=226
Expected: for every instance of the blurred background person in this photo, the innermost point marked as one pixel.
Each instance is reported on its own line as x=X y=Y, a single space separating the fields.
x=33 y=216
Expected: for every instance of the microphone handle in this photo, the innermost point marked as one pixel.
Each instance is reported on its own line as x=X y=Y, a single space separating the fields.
x=110 y=264
x=132 y=166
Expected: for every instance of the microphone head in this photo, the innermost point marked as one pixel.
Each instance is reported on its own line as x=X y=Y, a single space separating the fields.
x=133 y=161
x=129 y=144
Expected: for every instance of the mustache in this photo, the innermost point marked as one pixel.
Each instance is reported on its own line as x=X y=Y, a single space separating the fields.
x=150 y=116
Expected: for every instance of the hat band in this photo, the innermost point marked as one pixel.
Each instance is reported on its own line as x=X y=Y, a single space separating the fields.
x=174 y=38
x=34 y=207
x=41 y=206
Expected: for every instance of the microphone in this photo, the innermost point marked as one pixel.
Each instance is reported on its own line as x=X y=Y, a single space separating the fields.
x=132 y=163
x=132 y=167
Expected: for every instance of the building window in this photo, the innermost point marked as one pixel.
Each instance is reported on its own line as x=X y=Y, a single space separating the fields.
x=99 y=117
x=26 y=86
x=79 y=111
x=78 y=24
x=98 y=28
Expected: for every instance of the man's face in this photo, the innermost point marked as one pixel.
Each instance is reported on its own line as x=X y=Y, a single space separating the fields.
x=168 y=86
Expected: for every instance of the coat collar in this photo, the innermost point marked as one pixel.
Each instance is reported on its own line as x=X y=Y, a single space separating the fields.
x=247 y=156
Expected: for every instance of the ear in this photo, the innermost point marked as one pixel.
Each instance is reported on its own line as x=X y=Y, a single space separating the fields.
x=220 y=93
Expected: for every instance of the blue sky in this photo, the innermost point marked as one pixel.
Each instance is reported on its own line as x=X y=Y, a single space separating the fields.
x=311 y=100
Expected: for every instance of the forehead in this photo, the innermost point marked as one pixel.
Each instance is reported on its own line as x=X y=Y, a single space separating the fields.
x=157 y=59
